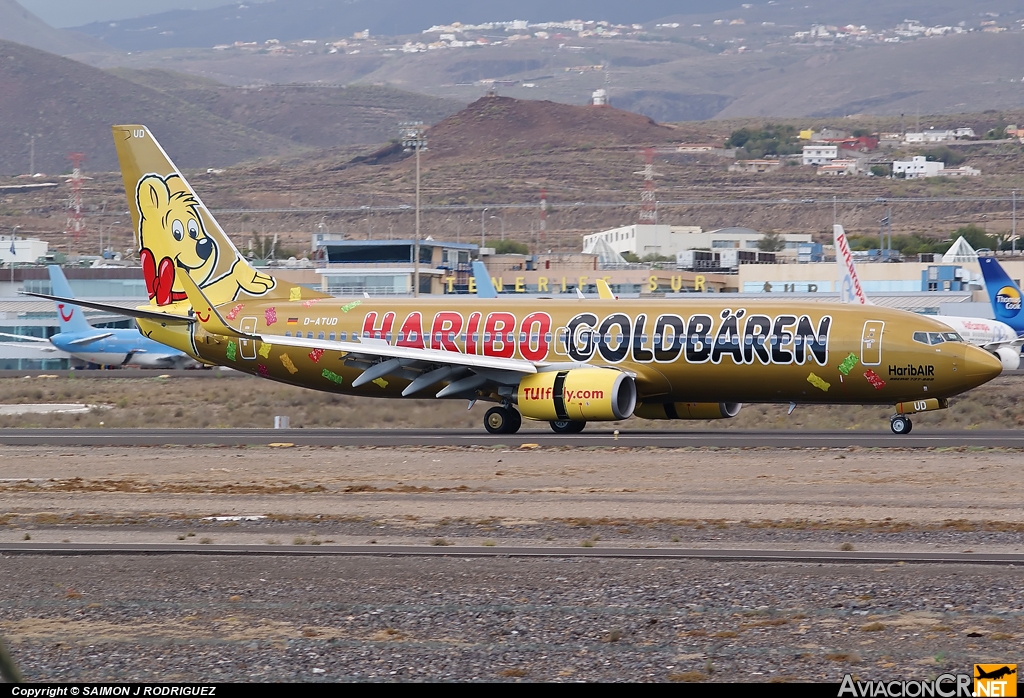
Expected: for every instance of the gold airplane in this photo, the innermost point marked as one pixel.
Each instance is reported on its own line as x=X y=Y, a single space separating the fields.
x=566 y=362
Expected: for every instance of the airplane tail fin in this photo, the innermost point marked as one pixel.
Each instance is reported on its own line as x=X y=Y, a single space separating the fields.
x=70 y=317
x=604 y=291
x=174 y=229
x=484 y=285
x=1003 y=292
x=850 y=290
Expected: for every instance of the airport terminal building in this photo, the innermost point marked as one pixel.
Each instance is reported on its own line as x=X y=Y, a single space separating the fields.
x=348 y=268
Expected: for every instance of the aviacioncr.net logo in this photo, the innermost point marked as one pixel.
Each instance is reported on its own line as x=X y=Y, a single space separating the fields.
x=1007 y=302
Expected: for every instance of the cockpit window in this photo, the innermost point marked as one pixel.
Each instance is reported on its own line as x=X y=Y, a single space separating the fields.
x=935 y=338
x=921 y=337
x=952 y=337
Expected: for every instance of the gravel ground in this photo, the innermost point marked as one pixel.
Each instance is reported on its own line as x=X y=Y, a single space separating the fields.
x=286 y=619
x=203 y=618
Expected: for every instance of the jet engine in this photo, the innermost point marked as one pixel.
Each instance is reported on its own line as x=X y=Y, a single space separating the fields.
x=579 y=394
x=1009 y=357
x=688 y=410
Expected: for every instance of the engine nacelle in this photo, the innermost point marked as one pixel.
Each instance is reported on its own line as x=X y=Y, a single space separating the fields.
x=688 y=410
x=1009 y=357
x=579 y=394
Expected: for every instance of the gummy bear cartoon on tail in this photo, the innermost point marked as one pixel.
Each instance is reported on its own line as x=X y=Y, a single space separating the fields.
x=172 y=234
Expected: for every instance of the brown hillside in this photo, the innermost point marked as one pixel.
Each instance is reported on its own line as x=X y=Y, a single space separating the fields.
x=314 y=115
x=70 y=106
x=502 y=125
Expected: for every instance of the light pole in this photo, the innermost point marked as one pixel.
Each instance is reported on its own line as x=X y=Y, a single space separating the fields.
x=14 y=230
x=108 y=234
x=413 y=137
x=1013 y=229
x=502 y=221
x=482 y=214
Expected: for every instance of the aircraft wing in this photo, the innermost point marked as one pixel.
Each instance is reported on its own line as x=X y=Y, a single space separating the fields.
x=87 y=340
x=381 y=349
x=154 y=315
x=465 y=373
x=23 y=337
x=992 y=346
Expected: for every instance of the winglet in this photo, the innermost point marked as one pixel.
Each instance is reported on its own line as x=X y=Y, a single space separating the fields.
x=209 y=319
x=604 y=291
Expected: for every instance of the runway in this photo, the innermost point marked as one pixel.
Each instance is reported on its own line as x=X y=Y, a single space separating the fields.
x=598 y=437
x=470 y=551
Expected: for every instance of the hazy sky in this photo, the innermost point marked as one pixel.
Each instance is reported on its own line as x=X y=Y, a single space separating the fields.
x=72 y=13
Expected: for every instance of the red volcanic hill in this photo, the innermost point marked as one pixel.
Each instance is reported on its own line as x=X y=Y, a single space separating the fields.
x=503 y=125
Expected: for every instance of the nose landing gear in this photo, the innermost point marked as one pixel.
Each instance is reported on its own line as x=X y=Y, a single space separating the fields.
x=901 y=424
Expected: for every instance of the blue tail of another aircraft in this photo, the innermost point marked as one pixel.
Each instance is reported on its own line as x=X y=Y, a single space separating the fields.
x=71 y=317
x=1003 y=292
x=484 y=285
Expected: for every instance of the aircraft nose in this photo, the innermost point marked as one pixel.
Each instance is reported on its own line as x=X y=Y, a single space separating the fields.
x=981 y=366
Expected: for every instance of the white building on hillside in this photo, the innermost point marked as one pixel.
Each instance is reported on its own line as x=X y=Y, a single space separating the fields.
x=669 y=240
x=21 y=250
x=962 y=171
x=918 y=166
x=820 y=154
x=930 y=136
x=643 y=240
x=839 y=166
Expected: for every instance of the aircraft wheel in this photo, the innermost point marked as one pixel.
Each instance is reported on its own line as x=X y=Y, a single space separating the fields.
x=516 y=421
x=500 y=420
x=901 y=425
x=565 y=426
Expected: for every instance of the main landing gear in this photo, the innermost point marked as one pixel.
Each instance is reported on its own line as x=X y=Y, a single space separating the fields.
x=565 y=426
x=502 y=420
x=901 y=424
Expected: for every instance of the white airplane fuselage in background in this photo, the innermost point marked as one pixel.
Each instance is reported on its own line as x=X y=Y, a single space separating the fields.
x=993 y=336
x=104 y=346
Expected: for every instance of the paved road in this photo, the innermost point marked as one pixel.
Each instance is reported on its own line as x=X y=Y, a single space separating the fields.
x=813 y=556
x=921 y=438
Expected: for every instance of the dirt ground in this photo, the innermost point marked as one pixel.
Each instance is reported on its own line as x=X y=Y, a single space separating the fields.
x=84 y=493
x=219 y=399
x=282 y=618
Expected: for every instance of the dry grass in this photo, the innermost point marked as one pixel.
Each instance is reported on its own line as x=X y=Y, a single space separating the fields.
x=687 y=677
x=222 y=401
x=514 y=672
x=872 y=627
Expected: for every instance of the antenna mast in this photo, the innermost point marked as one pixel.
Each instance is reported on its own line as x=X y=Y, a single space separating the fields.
x=648 y=201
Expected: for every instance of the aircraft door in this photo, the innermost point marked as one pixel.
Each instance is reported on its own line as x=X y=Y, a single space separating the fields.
x=247 y=347
x=871 y=343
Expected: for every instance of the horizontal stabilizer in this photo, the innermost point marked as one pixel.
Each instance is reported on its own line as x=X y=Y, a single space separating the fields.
x=209 y=319
x=139 y=313
x=94 y=338
x=25 y=337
